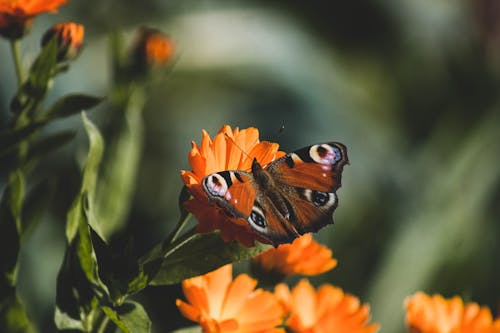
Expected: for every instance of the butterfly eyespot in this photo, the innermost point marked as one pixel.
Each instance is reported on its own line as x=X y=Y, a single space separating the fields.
x=319 y=198
x=216 y=185
x=257 y=219
x=325 y=154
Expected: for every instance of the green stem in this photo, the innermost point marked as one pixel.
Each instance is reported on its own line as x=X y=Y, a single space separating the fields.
x=15 y=47
x=183 y=221
x=103 y=325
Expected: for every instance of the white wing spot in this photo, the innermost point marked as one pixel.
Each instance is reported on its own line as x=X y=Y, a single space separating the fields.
x=216 y=185
x=323 y=154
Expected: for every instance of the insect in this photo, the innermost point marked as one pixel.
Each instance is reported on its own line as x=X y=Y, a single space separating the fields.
x=292 y=195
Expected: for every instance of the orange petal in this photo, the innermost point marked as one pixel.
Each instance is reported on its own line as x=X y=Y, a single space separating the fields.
x=284 y=296
x=237 y=294
x=261 y=309
x=220 y=152
x=265 y=152
x=217 y=283
x=188 y=311
x=196 y=295
x=304 y=299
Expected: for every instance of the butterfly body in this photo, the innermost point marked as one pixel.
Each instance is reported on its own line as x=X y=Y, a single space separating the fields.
x=292 y=195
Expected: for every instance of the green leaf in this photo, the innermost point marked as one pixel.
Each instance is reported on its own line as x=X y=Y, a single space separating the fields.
x=196 y=255
x=74 y=295
x=10 y=220
x=65 y=322
x=13 y=317
x=33 y=90
x=130 y=317
x=10 y=138
x=43 y=67
x=89 y=176
x=86 y=253
x=79 y=286
x=119 y=270
x=71 y=104
x=117 y=177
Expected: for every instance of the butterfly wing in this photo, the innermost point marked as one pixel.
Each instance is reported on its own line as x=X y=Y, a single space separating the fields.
x=317 y=167
x=233 y=190
x=308 y=180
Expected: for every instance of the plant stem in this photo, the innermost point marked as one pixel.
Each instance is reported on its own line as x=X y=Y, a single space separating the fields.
x=178 y=228
x=103 y=325
x=15 y=47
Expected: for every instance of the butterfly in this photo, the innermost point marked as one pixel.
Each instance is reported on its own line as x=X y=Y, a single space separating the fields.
x=290 y=196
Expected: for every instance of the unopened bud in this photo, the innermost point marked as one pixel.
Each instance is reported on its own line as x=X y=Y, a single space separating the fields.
x=152 y=47
x=69 y=37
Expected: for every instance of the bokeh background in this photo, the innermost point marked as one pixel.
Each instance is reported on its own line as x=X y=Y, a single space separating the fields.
x=410 y=86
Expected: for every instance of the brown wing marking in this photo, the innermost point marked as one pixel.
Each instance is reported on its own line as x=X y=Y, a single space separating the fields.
x=241 y=194
x=309 y=217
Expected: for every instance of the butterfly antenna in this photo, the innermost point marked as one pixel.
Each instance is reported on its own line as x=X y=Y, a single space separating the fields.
x=234 y=143
x=281 y=130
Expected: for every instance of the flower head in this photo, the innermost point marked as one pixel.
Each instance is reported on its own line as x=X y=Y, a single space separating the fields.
x=229 y=150
x=69 y=37
x=304 y=256
x=435 y=314
x=220 y=304
x=152 y=47
x=327 y=309
x=16 y=15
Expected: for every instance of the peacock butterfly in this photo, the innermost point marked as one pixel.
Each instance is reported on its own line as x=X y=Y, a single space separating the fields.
x=292 y=195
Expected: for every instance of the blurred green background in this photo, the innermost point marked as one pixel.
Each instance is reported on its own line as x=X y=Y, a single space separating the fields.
x=411 y=87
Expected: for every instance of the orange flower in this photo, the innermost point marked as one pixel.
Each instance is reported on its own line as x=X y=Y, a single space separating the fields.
x=69 y=39
x=220 y=304
x=16 y=15
x=328 y=309
x=152 y=47
x=435 y=314
x=227 y=151
x=304 y=256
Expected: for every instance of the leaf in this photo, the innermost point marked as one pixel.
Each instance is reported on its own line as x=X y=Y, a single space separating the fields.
x=73 y=294
x=71 y=104
x=130 y=317
x=33 y=90
x=42 y=69
x=86 y=253
x=10 y=138
x=119 y=272
x=65 y=322
x=89 y=176
x=117 y=177
x=13 y=317
x=10 y=220
x=79 y=287
x=196 y=255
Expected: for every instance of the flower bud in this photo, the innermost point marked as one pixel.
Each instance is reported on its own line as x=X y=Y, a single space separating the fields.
x=69 y=37
x=152 y=47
